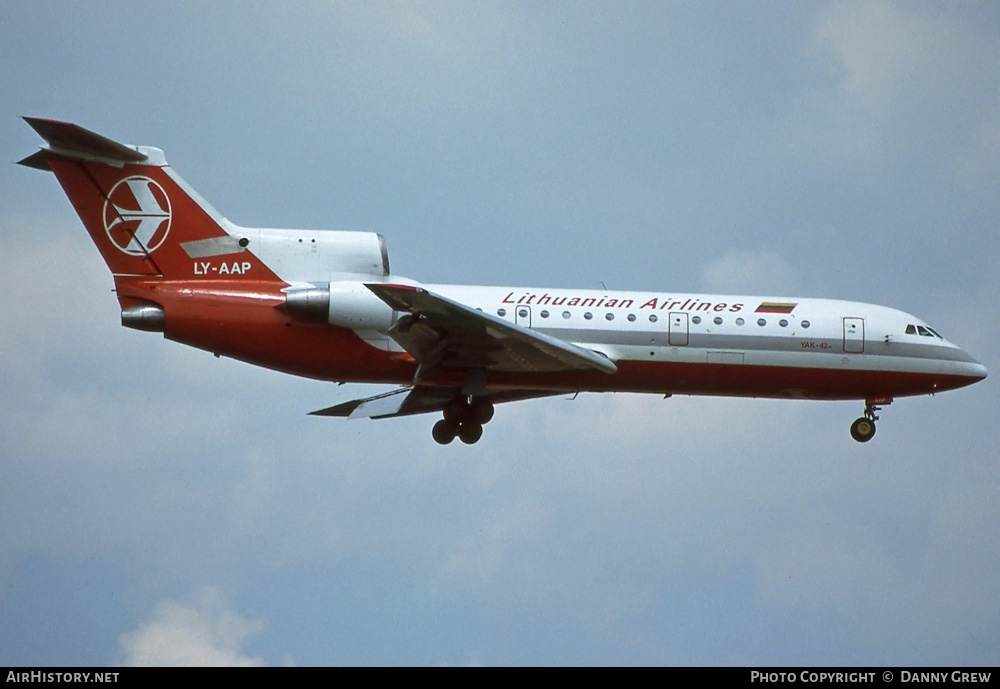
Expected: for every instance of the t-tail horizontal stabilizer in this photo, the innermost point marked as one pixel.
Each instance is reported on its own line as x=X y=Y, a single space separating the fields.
x=67 y=141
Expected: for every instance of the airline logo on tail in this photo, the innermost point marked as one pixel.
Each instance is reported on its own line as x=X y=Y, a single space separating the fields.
x=137 y=215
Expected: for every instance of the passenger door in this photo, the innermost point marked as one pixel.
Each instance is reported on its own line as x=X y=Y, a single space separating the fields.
x=854 y=335
x=678 y=334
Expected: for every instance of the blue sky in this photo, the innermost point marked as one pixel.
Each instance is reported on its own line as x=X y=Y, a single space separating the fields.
x=163 y=506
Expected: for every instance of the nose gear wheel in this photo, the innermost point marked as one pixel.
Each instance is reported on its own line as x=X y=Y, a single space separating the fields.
x=863 y=429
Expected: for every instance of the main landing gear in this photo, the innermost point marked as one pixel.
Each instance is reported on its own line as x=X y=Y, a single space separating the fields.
x=463 y=418
x=863 y=429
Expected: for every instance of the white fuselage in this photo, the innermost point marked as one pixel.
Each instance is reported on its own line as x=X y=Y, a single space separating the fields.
x=758 y=333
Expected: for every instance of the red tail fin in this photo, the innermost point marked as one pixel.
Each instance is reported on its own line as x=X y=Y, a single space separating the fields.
x=144 y=219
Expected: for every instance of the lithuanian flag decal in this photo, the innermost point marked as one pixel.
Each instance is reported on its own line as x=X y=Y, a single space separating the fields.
x=775 y=307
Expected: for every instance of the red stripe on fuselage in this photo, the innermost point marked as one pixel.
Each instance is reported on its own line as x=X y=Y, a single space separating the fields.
x=741 y=381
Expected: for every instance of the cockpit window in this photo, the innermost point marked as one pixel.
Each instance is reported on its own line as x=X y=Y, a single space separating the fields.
x=922 y=330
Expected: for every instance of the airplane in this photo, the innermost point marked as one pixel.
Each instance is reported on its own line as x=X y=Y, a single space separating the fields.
x=325 y=305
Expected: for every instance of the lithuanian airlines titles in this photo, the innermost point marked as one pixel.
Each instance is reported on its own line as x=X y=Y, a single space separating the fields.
x=325 y=305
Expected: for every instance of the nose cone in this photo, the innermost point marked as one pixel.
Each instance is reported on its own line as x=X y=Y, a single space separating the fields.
x=970 y=369
x=979 y=371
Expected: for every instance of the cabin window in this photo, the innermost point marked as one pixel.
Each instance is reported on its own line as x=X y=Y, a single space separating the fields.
x=610 y=316
x=805 y=324
x=740 y=321
x=696 y=320
x=631 y=318
x=566 y=314
x=761 y=322
x=523 y=313
x=544 y=314
x=588 y=315
x=783 y=323
x=501 y=312
x=717 y=320
x=652 y=318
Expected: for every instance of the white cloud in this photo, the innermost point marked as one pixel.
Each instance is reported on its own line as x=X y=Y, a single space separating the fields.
x=886 y=54
x=202 y=632
x=897 y=80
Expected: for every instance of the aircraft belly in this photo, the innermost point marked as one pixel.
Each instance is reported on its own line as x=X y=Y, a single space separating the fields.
x=746 y=380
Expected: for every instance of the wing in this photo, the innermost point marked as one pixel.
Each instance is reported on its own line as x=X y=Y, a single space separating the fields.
x=421 y=399
x=438 y=331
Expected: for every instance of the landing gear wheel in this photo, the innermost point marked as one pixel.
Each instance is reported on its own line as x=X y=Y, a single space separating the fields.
x=470 y=433
x=863 y=429
x=463 y=418
x=481 y=411
x=444 y=431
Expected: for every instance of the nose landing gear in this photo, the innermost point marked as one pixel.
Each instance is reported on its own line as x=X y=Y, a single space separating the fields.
x=464 y=419
x=863 y=429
